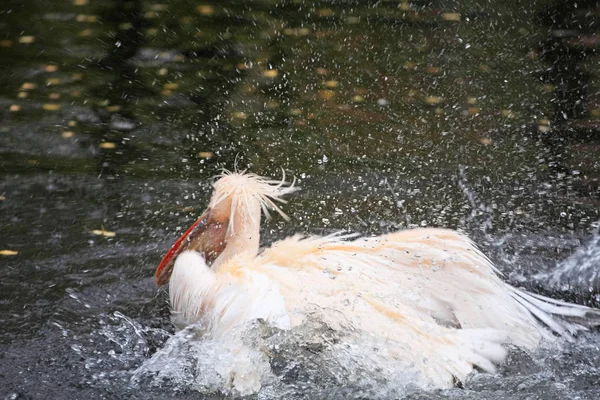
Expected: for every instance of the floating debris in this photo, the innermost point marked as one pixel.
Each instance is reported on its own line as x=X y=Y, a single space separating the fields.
x=52 y=81
x=2 y=198
x=410 y=65
x=14 y=108
x=86 y=18
x=433 y=70
x=27 y=39
x=507 y=113
x=206 y=154
x=325 y=12
x=8 y=252
x=433 y=100
x=86 y=33
x=353 y=20
x=103 y=232
x=6 y=43
x=358 y=99
x=52 y=96
x=171 y=86
x=68 y=134
x=240 y=115
x=322 y=71
x=296 y=31
x=108 y=145
x=159 y=7
x=548 y=88
x=326 y=94
x=485 y=141
x=50 y=68
x=80 y=2
x=270 y=73
x=331 y=84
x=272 y=104
x=205 y=9
x=51 y=107
x=28 y=86
x=22 y=95
x=544 y=125
x=471 y=100
x=451 y=17
x=114 y=108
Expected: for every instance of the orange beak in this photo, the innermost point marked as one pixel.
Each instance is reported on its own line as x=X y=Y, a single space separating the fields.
x=207 y=236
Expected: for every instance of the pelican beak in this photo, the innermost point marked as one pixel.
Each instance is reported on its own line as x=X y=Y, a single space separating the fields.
x=206 y=236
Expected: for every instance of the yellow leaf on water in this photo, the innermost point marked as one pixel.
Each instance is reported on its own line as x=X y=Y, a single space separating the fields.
x=8 y=252
x=325 y=12
x=27 y=39
x=270 y=73
x=86 y=18
x=51 y=107
x=303 y=32
x=114 y=108
x=205 y=9
x=2 y=198
x=28 y=86
x=451 y=17
x=239 y=115
x=326 y=94
x=108 y=145
x=103 y=232
x=206 y=154
x=433 y=100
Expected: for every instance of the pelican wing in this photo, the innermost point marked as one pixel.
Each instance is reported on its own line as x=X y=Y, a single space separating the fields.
x=437 y=273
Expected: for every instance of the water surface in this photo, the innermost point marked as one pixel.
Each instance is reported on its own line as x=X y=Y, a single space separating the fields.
x=390 y=114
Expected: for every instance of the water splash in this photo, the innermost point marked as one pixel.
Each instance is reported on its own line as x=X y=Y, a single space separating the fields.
x=581 y=271
x=309 y=361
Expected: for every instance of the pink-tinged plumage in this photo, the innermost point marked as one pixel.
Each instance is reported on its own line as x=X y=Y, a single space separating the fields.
x=430 y=292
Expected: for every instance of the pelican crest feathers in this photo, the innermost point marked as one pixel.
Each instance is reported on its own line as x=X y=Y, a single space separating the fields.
x=243 y=188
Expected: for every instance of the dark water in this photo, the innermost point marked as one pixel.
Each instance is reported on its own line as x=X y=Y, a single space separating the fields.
x=476 y=115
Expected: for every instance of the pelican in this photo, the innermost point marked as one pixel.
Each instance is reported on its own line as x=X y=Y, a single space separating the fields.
x=430 y=292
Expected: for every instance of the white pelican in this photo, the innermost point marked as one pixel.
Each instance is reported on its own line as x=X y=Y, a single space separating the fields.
x=430 y=292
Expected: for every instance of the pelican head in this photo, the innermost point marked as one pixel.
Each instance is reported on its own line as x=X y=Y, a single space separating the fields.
x=231 y=223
